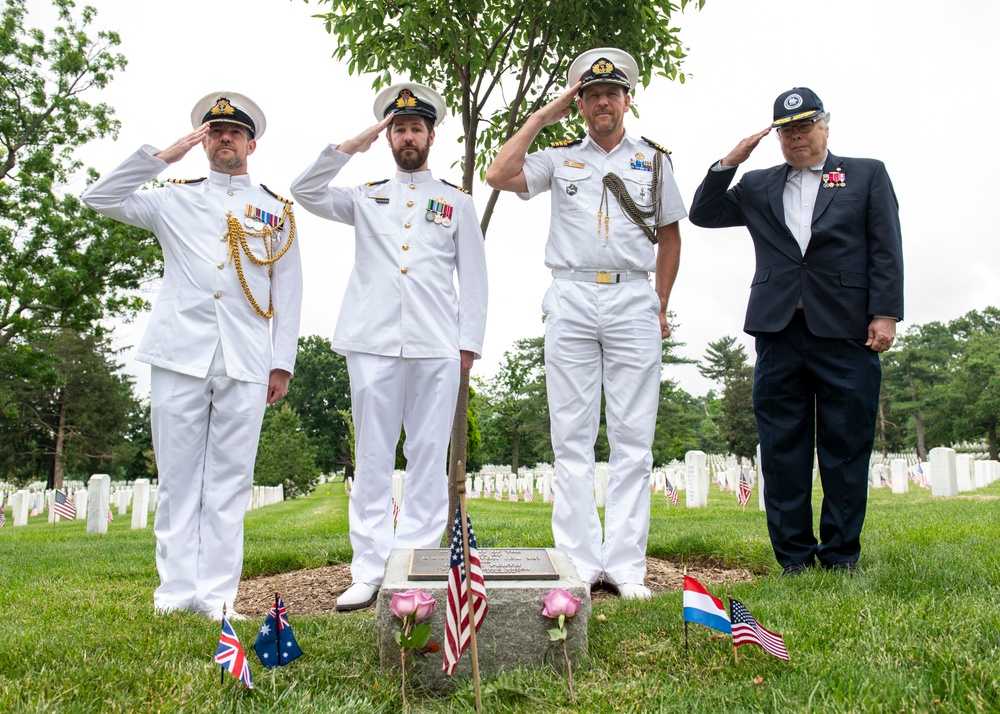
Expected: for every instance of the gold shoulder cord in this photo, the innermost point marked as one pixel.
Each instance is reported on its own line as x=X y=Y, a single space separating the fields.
x=613 y=182
x=237 y=238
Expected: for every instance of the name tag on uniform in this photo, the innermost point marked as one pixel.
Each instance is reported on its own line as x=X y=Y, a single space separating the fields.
x=573 y=164
x=380 y=199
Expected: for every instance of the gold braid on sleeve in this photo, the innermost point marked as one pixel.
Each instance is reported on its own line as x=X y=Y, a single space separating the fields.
x=613 y=183
x=237 y=238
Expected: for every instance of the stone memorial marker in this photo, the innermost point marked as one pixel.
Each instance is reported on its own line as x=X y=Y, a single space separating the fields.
x=760 y=482
x=98 y=503
x=944 y=476
x=81 y=499
x=601 y=475
x=140 y=504
x=899 y=476
x=20 y=504
x=963 y=472
x=696 y=479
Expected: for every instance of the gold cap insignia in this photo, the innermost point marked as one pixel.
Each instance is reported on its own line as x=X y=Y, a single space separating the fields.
x=406 y=99
x=603 y=66
x=223 y=108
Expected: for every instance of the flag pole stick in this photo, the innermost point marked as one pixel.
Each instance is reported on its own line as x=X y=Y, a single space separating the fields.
x=729 y=598
x=222 y=670
x=687 y=651
x=277 y=630
x=473 y=649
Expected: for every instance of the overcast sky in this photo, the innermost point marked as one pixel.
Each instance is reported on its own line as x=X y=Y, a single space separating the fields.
x=906 y=81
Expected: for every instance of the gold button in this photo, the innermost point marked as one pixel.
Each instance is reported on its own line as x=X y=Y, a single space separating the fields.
x=217 y=295
x=409 y=204
x=413 y=185
x=403 y=271
x=406 y=225
x=229 y=193
x=220 y=266
x=405 y=246
x=223 y=239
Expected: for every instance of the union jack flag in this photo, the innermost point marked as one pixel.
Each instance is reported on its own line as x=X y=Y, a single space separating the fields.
x=230 y=655
x=671 y=492
x=457 y=633
x=743 y=497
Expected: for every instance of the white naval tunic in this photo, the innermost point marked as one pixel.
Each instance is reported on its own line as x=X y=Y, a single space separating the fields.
x=401 y=326
x=211 y=357
x=601 y=334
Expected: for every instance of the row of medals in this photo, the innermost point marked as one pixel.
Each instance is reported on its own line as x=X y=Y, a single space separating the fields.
x=441 y=216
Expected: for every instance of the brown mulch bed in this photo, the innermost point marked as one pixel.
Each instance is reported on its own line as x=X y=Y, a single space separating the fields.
x=315 y=592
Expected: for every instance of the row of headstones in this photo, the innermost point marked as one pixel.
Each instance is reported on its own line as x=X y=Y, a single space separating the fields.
x=97 y=509
x=948 y=472
x=697 y=478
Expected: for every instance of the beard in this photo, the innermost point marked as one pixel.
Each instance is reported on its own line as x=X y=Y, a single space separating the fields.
x=226 y=163
x=413 y=158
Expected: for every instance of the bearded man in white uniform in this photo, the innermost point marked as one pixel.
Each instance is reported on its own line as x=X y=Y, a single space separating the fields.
x=615 y=209
x=404 y=330
x=232 y=288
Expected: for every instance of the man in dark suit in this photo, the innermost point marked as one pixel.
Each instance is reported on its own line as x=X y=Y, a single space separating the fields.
x=824 y=301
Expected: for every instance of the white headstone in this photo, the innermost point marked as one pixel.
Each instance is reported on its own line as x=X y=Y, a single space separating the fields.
x=944 y=478
x=601 y=473
x=98 y=503
x=21 y=504
x=963 y=472
x=80 y=498
x=153 y=495
x=696 y=479
x=140 y=505
x=760 y=482
x=982 y=473
x=899 y=476
x=50 y=497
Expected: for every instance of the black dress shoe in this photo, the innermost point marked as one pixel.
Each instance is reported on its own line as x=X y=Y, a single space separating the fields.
x=794 y=571
x=847 y=567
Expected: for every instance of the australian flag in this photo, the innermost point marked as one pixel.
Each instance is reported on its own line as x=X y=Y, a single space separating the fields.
x=230 y=654
x=275 y=644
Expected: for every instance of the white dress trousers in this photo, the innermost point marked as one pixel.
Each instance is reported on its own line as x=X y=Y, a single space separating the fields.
x=386 y=393
x=205 y=434
x=610 y=335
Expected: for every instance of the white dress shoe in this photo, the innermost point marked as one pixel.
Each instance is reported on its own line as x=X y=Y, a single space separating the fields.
x=216 y=615
x=634 y=591
x=357 y=596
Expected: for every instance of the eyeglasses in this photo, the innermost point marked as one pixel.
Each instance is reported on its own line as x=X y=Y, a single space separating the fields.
x=802 y=127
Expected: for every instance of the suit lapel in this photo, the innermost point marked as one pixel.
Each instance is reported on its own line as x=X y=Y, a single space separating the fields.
x=776 y=191
x=833 y=163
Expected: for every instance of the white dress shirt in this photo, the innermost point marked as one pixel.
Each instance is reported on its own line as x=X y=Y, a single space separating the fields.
x=401 y=299
x=799 y=199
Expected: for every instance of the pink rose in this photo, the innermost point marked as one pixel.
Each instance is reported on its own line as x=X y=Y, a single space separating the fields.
x=412 y=602
x=560 y=602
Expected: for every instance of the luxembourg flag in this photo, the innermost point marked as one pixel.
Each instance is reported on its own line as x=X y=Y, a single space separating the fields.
x=701 y=607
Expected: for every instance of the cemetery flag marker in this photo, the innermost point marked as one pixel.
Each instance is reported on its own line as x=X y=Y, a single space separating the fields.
x=743 y=497
x=746 y=630
x=275 y=644
x=230 y=655
x=64 y=506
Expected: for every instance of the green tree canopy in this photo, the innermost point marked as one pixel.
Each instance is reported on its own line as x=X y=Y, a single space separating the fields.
x=285 y=455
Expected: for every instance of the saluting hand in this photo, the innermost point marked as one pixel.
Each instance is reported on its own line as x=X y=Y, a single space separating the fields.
x=743 y=150
x=363 y=141
x=559 y=108
x=178 y=150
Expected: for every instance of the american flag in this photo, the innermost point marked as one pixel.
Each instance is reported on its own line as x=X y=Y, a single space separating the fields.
x=111 y=518
x=671 y=492
x=921 y=478
x=498 y=495
x=743 y=497
x=747 y=630
x=3 y=518
x=230 y=654
x=395 y=511
x=457 y=632
x=512 y=497
x=529 y=496
x=64 y=506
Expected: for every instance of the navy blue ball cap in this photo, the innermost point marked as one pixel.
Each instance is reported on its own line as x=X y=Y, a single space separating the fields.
x=795 y=105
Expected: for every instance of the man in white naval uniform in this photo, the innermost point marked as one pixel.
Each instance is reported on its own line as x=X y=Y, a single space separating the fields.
x=402 y=327
x=232 y=288
x=613 y=198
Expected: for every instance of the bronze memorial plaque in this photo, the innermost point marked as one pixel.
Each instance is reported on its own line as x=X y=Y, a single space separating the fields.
x=498 y=564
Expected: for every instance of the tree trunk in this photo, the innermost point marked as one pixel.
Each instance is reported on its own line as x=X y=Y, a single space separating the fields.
x=459 y=445
x=59 y=466
x=991 y=433
x=515 y=452
x=881 y=428
x=918 y=423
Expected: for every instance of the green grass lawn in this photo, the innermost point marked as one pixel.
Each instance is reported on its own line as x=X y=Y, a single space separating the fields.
x=918 y=630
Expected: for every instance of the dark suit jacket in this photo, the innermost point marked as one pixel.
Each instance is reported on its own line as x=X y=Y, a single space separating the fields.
x=853 y=266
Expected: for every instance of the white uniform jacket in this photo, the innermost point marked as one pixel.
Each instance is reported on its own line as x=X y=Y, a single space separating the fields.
x=401 y=299
x=574 y=173
x=201 y=301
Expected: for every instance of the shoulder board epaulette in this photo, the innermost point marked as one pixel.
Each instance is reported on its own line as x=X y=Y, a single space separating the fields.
x=272 y=193
x=187 y=181
x=376 y=183
x=656 y=146
x=454 y=186
x=562 y=144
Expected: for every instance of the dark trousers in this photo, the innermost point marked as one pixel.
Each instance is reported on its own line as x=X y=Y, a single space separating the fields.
x=810 y=388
